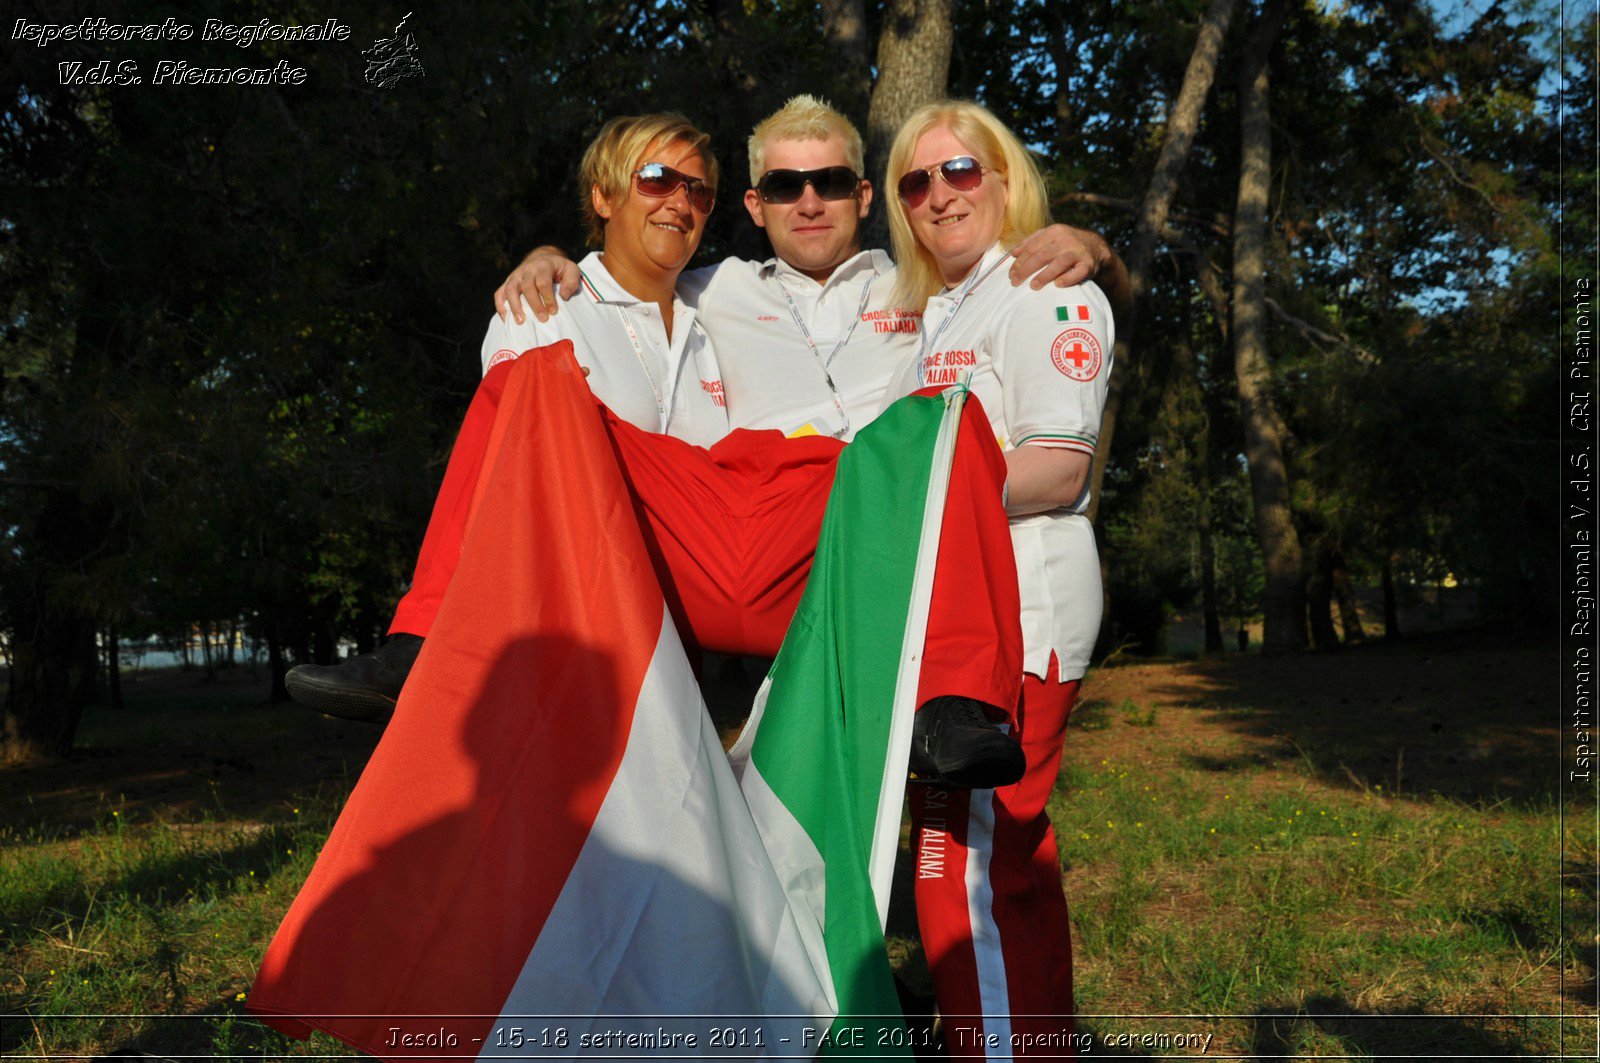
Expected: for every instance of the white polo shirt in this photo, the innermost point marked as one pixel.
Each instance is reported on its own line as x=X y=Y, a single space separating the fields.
x=799 y=356
x=1039 y=362
x=672 y=387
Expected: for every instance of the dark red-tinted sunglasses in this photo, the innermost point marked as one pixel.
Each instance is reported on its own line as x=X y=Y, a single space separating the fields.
x=962 y=173
x=787 y=186
x=658 y=182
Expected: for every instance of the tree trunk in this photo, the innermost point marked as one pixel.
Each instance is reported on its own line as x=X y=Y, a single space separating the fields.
x=1211 y=285
x=52 y=679
x=280 y=692
x=1188 y=378
x=207 y=651
x=325 y=643
x=114 y=666
x=1391 y=608
x=844 y=27
x=1319 y=601
x=729 y=47
x=913 y=69
x=1283 y=600
x=366 y=633
x=1182 y=124
x=1061 y=54
x=1349 y=614
x=1208 y=572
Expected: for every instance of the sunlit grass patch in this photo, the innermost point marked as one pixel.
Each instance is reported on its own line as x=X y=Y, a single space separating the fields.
x=163 y=918
x=1214 y=870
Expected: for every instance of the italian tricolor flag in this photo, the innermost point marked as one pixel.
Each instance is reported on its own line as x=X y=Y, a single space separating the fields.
x=549 y=853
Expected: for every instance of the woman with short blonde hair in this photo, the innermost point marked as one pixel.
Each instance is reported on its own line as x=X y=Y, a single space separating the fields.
x=609 y=159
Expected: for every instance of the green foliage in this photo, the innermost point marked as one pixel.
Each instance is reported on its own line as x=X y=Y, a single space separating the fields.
x=240 y=326
x=1414 y=219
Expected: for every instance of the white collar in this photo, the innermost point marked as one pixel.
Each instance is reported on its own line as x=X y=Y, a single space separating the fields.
x=601 y=287
x=875 y=261
x=992 y=258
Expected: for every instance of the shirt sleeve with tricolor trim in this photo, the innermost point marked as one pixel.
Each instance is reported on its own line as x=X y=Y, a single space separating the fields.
x=1053 y=353
x=506 y=340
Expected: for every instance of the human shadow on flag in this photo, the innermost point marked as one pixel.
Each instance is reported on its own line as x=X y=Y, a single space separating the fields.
x=546 y=855
x=549 y=828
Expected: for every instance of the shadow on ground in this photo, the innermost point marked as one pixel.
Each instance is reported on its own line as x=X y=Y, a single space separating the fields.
x=187 y=747
x=1468 y=715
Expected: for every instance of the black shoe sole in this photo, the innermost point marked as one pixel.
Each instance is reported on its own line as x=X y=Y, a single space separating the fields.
x=983 y=772
x=360 y=706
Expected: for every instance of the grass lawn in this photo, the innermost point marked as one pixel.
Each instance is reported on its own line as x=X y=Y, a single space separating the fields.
x=1355 y=856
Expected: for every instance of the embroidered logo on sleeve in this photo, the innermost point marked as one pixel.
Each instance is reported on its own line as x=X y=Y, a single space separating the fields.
x=1076 y=353
x=502 y=355
x=1072 y=313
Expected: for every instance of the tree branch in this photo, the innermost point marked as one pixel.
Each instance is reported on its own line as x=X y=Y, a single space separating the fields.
x=1217 y=224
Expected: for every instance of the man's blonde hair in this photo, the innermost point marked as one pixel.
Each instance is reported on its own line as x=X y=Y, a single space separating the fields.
x=803 y=118
x=1000 y=152
x=613 y=156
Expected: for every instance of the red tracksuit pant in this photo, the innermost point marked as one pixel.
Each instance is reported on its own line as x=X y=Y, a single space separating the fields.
x=732 y=530
x=989 y=902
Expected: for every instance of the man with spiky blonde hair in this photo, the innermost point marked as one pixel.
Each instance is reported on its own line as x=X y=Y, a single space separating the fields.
x=804 y=117
x=809 y=339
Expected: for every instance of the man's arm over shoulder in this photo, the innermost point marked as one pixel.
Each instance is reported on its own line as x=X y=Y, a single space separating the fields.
x=533 y=286
x=507 y=338
x=1071 y=256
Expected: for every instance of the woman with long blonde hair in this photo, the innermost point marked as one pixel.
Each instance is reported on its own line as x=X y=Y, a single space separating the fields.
x=993 y=916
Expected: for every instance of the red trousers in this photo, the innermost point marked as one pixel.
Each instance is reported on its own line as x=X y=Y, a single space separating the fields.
x=732 y=531
x=989 y=900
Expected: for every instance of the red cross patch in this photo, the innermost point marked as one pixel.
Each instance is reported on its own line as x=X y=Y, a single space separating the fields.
x=1076 y=353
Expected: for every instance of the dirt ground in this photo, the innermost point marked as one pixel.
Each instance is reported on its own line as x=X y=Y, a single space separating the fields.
x=1467 y=714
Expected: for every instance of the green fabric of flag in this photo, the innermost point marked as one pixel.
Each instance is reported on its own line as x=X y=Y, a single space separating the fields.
x=827 y=744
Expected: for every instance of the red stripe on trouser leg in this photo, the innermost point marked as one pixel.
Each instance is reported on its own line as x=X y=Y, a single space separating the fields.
x=447 y=525
x=732 y=531
x=1025 y=905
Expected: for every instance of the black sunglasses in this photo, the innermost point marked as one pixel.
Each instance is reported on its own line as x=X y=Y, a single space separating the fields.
x=787 y=186
x=962 y=173
x=658 y=182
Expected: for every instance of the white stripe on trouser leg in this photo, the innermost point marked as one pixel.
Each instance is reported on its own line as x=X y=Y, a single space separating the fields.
x=990 y=963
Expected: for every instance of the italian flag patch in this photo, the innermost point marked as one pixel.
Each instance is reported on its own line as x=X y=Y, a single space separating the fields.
x=1072 y=313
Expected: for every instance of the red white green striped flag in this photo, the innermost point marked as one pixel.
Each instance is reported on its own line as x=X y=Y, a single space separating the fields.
x=549 y=853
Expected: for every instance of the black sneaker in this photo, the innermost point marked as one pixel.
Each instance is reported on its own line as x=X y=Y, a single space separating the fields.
x=953 y=744
x=362 y=688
